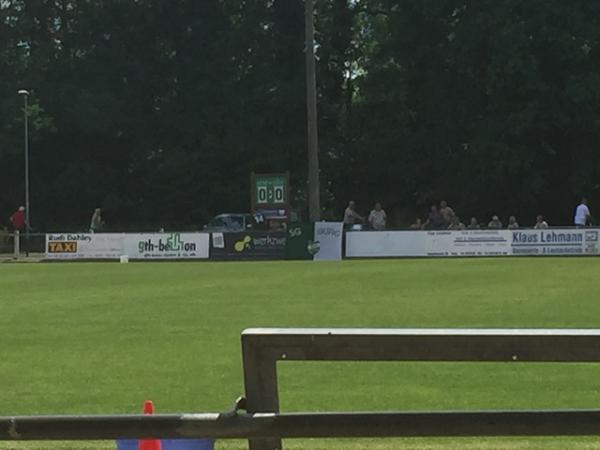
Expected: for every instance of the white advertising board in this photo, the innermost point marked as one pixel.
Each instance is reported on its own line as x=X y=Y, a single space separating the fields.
x=135 y=246
x=84 y=246
x=328 y=241
x=457 y=243
x=555 y=242
x=385 y=244
x=167 y=245
x=468 y=243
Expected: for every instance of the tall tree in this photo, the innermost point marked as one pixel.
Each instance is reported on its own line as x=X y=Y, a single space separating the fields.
x=157 y=111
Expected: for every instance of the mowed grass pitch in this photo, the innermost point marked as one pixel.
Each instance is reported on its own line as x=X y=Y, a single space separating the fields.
x=101 y=338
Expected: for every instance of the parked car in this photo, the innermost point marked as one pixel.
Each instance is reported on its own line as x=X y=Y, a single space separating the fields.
x=230 y=223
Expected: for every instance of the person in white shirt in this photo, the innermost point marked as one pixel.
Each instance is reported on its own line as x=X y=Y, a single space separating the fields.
x=351 y=216
x=582 y=214
x=377 y=218
x=540 y=223
x=495 y=223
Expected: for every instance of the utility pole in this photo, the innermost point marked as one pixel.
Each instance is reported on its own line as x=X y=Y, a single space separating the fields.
x=314 y=206
x=25 y=94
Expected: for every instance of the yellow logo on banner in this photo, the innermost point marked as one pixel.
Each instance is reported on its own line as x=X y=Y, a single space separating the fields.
x=62 y=247
x=242 y=245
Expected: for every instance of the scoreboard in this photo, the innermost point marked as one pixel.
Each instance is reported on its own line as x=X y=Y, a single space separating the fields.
x=270 y=191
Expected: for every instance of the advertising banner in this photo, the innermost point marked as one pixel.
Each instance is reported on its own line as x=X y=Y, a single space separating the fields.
x=468 y=243
x=69 y=246
x=84 y=246
x=300 y=241
x=250 y=245
x=385 y=244
x=167 y=245
x=327 y=245
x=459 y=243
x=555 y=242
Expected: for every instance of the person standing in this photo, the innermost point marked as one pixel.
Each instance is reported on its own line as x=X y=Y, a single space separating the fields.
x=447 y=212
x=96 y=224
x=18 y=220
x=582 y=214
x=377 y=218
x=540 y=223
x=351 y=216
x=512 y=223
x=435 y=220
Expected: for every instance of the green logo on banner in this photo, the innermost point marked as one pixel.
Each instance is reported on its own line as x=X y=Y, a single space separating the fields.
x=174 y=242
x=313 y=247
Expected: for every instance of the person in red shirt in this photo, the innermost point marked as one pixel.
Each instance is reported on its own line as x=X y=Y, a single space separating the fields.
x=17 y=220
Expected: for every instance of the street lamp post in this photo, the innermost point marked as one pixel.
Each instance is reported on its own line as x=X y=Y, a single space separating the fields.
x=25 y=95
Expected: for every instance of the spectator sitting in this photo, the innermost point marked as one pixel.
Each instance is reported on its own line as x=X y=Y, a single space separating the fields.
x=418 y=225
x=512 y=223
x=435 y=220
x=473 y=224
x=540 y=223
x=377 y=218
x=351 y=216
x=447 y=212
x=456 y=224
x=495 y=223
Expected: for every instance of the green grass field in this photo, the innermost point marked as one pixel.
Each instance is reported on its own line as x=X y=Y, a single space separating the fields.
x=101 y=338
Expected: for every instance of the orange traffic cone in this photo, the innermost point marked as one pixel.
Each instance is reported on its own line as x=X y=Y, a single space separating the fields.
x=149 y=444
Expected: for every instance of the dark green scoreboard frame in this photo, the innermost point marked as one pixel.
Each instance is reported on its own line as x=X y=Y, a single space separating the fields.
x=276 y=189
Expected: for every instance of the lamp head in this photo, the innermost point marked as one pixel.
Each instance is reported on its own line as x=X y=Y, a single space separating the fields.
x=23 y=92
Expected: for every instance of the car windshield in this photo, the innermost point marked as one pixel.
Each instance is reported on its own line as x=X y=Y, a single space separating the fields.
x=217 y=222
x=229 y=222
x=235 y=222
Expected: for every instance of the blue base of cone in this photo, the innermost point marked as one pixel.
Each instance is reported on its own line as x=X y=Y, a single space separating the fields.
x=171 y=444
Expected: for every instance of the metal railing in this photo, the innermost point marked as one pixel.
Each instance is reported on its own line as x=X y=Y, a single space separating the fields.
x=261 y=426
x=15 y=245
x=265 y=426
x=263 y=348
x=9 y=243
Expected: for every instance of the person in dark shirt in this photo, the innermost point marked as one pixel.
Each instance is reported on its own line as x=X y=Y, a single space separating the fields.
x=435 y=220
x=474 y=225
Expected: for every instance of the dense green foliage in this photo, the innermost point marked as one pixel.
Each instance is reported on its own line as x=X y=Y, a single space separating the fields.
x=102 y=338
x=158 y=110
